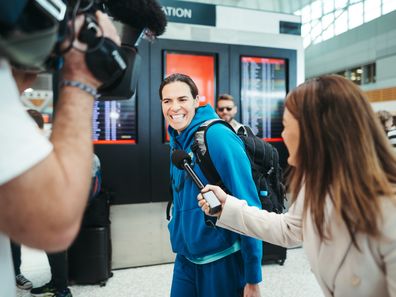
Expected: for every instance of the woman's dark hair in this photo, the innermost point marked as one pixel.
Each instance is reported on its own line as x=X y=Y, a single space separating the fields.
x=182 y=78
x=342 y=152
x=37 y=117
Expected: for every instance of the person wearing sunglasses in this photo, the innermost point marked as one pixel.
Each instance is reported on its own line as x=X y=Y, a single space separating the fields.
x=226 y=110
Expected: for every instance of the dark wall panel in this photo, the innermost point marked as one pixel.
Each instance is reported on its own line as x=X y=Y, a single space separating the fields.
x=125 y=167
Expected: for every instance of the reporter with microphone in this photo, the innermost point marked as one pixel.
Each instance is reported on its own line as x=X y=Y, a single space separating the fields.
x=343 y=196
x=210 y=261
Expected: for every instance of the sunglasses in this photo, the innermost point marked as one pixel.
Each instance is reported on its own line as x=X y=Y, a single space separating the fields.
x=221 y=109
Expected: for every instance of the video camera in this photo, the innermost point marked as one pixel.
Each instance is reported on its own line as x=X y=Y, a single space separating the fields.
x=32 y=31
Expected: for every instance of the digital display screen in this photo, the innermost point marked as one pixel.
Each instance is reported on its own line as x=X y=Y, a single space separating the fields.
x=200 y=67
x=114 y=122
x=263 y=91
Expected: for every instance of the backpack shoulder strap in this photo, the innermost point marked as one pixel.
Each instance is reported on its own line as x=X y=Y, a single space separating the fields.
x=245 y=131
x=201 y=152
x=170 y=202
x=277 y=181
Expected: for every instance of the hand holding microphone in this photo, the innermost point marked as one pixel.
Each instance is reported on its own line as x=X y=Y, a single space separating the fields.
x=182 y=161
x=220 y=195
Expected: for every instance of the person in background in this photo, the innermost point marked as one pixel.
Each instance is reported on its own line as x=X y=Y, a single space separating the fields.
x=226 y=110
x=210 y=261
x=57 y=286
x=387 y=122
x=21 y=281
x=37 y=117
x=343 y=188
x=58 y=262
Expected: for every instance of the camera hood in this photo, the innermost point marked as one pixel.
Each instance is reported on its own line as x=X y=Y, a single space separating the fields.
x=28 y=42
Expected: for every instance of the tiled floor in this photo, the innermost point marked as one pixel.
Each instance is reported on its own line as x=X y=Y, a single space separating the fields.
x=293 y=279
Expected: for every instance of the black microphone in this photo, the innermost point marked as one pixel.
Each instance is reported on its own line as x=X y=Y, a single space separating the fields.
x=139 y=19
x=138 y=14
x=182 y=161
x=117 y=67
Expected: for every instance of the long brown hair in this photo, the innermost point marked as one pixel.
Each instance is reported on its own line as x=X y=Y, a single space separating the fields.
x=343 y=152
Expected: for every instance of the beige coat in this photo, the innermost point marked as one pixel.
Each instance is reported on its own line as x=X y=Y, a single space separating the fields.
x=339 y=267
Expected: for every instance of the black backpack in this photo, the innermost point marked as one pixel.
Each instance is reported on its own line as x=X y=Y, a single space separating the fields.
x=264 y=161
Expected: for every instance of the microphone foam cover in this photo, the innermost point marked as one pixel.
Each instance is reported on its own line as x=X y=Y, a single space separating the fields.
x=139 y=14
x=178 y=157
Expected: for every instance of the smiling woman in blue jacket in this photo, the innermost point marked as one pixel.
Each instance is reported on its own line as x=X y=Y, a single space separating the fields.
x=210 y=261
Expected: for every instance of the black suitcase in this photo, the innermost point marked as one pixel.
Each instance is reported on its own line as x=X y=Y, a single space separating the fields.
x=273 y=254
x=97 y=213
x=89 y=257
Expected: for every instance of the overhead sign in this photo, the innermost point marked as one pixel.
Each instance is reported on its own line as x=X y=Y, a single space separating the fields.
x=189 y=12
x=290 y=28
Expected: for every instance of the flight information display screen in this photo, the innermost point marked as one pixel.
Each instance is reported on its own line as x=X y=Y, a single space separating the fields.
x=263 y=91
x=114 y=122
x=200 y=67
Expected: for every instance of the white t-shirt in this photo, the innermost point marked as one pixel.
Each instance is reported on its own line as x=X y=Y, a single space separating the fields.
x=22 y=147
x=22 y=144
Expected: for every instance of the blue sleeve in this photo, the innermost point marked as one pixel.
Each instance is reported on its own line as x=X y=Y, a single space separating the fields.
x=228 y=155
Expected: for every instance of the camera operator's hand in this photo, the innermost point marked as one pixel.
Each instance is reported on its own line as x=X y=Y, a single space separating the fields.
x=75 y=67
